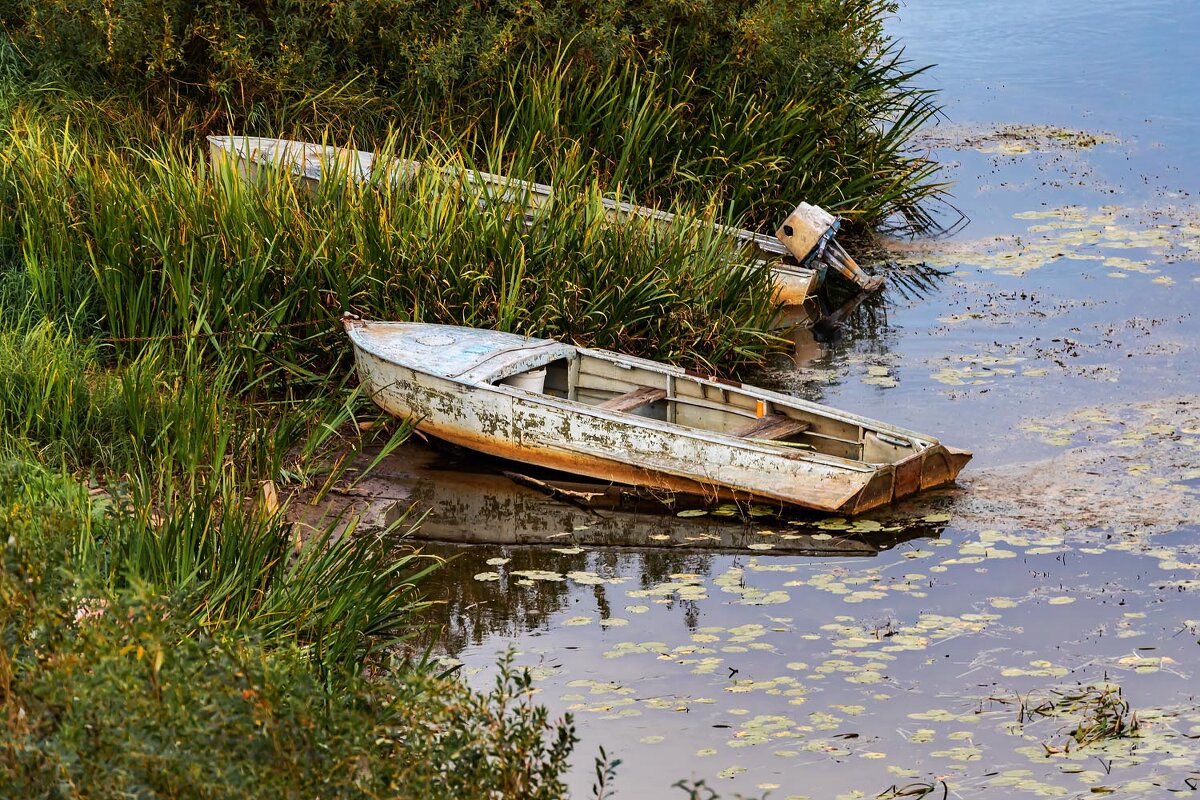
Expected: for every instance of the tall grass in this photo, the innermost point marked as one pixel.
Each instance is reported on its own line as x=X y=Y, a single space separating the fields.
x=668 y=137
x=824 y=114
x=176 y=465
x=137 y=243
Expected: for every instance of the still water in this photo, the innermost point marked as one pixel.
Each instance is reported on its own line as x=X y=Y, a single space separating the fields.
x=947 y=642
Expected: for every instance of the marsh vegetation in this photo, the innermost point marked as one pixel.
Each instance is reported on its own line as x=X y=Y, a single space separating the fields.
x=169 y=365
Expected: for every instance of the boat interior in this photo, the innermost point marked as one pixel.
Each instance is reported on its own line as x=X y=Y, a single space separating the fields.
x=609 y=382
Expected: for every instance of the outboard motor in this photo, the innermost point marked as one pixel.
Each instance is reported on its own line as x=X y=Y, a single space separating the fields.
x=808 y=234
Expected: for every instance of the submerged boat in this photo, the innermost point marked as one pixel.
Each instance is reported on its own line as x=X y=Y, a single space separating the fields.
x=798 y=256
x=628 y=420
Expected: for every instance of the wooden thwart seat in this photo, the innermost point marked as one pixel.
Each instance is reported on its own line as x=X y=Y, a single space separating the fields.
x=774 y=426
x=639 y=396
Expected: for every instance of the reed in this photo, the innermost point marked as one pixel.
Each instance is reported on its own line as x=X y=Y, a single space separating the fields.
x=667 y=137
x=806 y=103
x=145 y=243
x=175 y=466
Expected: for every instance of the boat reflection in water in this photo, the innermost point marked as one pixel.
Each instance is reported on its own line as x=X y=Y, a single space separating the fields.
x=461 y=497
x=484 y=523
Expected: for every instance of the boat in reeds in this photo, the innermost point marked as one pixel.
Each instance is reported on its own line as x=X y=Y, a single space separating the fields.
x=798 y=256
x=632 y=421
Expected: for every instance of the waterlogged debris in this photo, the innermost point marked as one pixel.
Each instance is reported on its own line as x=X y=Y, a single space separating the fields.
x=1014 y=140
x=1168 y=234
x=880 y=376
x=539 y=575
x=585 y=578
x=1128 y=476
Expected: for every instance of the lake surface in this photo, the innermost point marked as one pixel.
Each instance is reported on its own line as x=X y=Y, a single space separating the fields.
x=962 y=639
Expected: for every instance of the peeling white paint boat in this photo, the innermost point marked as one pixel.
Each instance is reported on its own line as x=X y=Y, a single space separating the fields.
x=798 y=256
x=628 y=420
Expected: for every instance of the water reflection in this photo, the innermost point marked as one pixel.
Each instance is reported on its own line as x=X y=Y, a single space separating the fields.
x=837 y=314
x=517 y=557
x=485 y=600
x=468 y=499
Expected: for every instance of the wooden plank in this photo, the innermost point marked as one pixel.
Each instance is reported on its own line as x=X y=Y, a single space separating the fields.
x=641 y=396
x=774 y=426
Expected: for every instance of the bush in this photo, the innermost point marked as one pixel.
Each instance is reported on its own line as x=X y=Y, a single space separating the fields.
x=242 y=52
x=116 y=688
x=119 y=698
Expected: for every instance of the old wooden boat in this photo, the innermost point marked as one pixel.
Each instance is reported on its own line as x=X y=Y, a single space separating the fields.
x=798 y=256
x=628 y=420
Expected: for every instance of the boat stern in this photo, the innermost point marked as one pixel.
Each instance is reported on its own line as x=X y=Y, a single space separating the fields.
x=933 y=467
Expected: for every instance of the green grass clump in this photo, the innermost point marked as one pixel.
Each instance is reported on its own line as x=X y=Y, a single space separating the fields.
x=1097 y=714
x=174 y=464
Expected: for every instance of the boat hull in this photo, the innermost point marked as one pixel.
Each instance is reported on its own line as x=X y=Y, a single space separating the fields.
x=570 y=437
